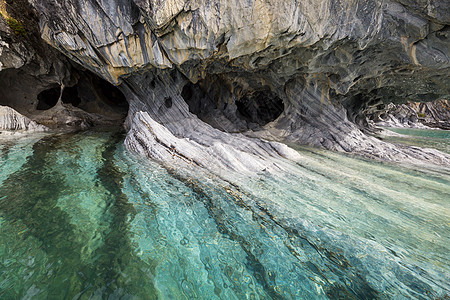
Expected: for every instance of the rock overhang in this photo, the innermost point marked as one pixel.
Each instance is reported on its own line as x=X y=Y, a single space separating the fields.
x=328 y=62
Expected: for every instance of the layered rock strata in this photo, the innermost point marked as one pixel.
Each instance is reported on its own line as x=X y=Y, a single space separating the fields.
x=215 y=73
x=434 y=114
x=11 y=120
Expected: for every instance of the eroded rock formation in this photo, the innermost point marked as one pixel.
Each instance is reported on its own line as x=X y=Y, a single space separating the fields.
x=11 y=120
x=34 y=77
x=434 y=114
x=218 y=76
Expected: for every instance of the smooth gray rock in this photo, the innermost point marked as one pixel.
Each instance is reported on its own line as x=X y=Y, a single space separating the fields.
x=434 y=114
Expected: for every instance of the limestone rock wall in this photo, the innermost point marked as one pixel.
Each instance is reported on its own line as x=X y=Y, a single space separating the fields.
x=213 y=71
x=434 y=114
x=28 y=65
x=342 y=41
x=12 y=120
x=34 y=77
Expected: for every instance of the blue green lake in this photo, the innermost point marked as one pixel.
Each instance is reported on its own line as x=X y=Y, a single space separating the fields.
x=82 y=218
x=429 y=138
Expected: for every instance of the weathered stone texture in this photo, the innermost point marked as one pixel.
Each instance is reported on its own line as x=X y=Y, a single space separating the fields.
x=12 y=120
x=209 y=69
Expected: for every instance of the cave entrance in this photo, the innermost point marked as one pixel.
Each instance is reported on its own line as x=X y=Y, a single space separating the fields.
x=91 y=94
x=260 y=107
x=229 y=109
x=194 y=96
x=96 y=95
x=48 y=98
x=110 y=94
x=70 y=96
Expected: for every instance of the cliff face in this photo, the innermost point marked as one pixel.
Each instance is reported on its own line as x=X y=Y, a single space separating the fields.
x=434 y=114
x=41 y=83
x=27 y=64
x=287 y=70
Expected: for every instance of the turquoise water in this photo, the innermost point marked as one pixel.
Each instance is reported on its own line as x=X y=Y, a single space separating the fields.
x=430 y=138
x=81 y=218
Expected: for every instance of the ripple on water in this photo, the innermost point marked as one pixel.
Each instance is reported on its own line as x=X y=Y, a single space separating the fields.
x=81 y=218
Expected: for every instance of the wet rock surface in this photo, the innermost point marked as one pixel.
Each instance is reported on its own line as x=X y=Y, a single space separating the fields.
x=220 y=88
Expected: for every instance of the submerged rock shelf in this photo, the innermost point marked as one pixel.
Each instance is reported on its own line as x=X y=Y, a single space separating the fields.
x=79 y=208
x=82 y=217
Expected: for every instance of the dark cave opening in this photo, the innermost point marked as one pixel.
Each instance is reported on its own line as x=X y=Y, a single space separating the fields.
x=110 y=94
x=70 y=95
x=195 y=98
x=48 y=98
x=80 y=94
x=214 y=100
x=260 y=107
x=187 y=92
x=91 y=94
x=168 y=102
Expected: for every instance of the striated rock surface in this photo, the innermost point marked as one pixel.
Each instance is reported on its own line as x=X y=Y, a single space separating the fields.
x=34 y=77
x=12 y=120
x=217 y=73
x=221 y=85
x=27 y=64
x=434 y=114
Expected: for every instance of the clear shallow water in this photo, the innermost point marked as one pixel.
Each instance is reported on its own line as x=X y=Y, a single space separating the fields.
x=430 y=138
x=80 y=218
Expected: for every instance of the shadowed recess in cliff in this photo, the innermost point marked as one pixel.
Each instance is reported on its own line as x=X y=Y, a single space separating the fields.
x=95 y=95
x=48 y=98
x=109 y=93
x=198 y=101
x=260 y=107
x=227 y=107
x=70 y=95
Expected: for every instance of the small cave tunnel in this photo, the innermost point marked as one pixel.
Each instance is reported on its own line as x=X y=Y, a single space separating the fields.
x=110 y=94
x=210 y=101
x=91 y=93
x=194 y=96
x=70 y=96
x=48 y=98
x=260 y=107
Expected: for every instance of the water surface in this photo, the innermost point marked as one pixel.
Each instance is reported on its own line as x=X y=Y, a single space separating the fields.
x=428 y=138
x=81 y=218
